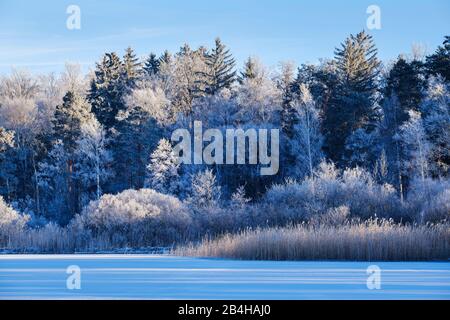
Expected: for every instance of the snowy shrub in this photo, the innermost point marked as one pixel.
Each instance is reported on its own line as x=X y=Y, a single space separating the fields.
x=333 y=217
x=12 y=223
x=205 y=192
x=429 y=200
x=327 y=189
x=137 y=217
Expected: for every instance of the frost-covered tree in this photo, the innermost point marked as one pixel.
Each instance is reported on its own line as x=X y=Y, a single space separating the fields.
x=163 y=169
x=7 y=165
x=12 y=223
x=436 y=114
x=258 y=97
x=54 y=182
x=92 y=160
x=205 y=192
x=307 y=141
x=68 y=118
x=189 y=67
x=416 y=146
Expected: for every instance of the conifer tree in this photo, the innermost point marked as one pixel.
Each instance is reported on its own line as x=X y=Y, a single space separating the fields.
x=353 y=104
x=439 y=62
x=220 y=72
x=68 y=118
x=163 y=169
x=131 y=68
x=249 y=71
x=107 y=90
x=405 y=82
x=151 y=65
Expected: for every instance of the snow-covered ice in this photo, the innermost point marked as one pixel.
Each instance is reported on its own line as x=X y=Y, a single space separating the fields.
x=170 y=277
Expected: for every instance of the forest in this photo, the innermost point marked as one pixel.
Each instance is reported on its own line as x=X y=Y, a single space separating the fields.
x=87 y=162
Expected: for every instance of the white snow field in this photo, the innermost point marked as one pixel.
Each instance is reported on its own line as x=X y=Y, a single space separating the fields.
x=170 y=277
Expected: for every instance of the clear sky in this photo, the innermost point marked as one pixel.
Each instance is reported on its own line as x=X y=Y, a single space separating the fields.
x=33 y=34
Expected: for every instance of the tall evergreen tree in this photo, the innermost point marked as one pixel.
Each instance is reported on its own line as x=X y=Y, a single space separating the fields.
x=220 y=72
x=439 y=62
x=151 y=65
x=353 y=104
x=68 y=118
x=166 y=58
x=131 y=68
x=404 y=80
x=59 y=169
x=249 y=71
x=163 y=175
x=107 y=90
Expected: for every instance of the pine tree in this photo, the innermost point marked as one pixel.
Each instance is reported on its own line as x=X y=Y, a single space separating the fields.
x=405 y=81
x=131 y=68
x=68 y=118
x=166 y=58
x=220 y=72
x=353 y=102
x=249 y=71
x=107 y=90
x=151 y=65
x=138 y=135
x=163 y=169
x=439 y=62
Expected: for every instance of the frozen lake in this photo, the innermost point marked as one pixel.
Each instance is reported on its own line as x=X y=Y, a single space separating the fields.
x=169 y=277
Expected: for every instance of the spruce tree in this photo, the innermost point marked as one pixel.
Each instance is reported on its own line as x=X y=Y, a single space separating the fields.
x=131 y=68
x=151 y=65
x=353 y=104
x=439 y=62
x=249 y=71
x=163 y=173
x=107 y=90
x=404 y=80
x=68 y=118
x=220 y=72
x=166 y=58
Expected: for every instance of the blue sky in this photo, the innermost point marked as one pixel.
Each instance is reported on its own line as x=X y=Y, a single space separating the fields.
x=33 y=34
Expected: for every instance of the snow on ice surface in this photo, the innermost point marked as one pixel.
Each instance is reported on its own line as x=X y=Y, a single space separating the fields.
x=170 y=277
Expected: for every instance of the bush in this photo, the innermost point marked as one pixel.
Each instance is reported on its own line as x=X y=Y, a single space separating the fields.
x=12 y=224
x=327 y=189
x=136 y=218
x=429 y=200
